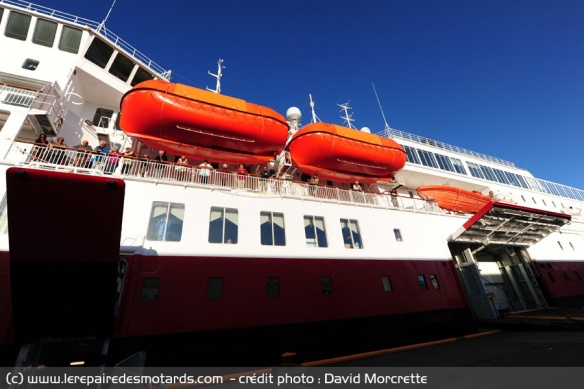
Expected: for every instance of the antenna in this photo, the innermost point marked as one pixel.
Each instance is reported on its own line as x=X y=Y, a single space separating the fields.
x=314 y=117
x=102 y=24
x=217 y=76
x=348 y=118
x=387 y=127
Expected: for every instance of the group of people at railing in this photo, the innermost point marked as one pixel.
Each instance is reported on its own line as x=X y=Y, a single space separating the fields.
x=110 y=161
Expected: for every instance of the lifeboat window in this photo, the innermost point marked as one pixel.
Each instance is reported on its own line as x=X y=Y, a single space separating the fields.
x=411 y=155
x=141 y=75
x=17 y=26
x=122 y=67
x=44 y=33
x=272 y=229
x=223 y=226
x=386 y=283
x=351 y=234
x=70 y=40
x=150 y=289
x=215 y=289
x=273 y=287
x=102 y=117
x=326 y=285
x=458 y=166
x=99 y=52
x=422 y=282
x=314 y=231
x=166 y=222
x=427 y=158
x=475 y=170
x=444 y=162
x=398 y=235
x=434 y=281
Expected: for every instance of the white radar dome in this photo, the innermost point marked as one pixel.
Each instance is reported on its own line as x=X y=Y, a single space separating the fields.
x=366 y=129
x=293 y=113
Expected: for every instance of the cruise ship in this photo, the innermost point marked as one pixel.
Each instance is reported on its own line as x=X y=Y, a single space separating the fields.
x=114 y=253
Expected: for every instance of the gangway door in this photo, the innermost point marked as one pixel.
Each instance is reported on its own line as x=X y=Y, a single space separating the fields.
x=64 y=236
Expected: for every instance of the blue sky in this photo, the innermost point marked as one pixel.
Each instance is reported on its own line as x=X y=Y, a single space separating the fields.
x=500 y=77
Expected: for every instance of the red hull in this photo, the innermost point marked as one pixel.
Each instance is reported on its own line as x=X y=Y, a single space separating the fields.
x=455 y=199
x=343 y=154
x=202 y=125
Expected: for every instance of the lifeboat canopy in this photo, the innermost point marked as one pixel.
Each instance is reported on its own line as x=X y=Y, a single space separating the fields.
x=343 y=154
x=200 y=124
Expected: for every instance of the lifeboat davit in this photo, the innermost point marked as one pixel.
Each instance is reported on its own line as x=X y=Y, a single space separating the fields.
x=343 y=154
x=455 y=199
x=200 y=124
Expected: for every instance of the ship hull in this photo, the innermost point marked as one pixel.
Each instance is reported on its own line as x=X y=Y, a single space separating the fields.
x=454 y=199
x=199 y=124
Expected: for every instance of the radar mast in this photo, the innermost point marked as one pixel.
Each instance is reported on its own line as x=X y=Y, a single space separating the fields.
x=217 y=76
x=348 y=118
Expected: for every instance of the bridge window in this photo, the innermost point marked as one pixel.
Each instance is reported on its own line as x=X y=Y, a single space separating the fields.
x=386 y=281
x=70 y=40
x=273 y=287
x=44 y=33
x=99 y=52
x=351 y=234
x=122 y=67
x=224 y=225
x=422 y=282
x=17 y=26
x=166 y=222
x=272 y=229
x=140 y=76
x=314 y=231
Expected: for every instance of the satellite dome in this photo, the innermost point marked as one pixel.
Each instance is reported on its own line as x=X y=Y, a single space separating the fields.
x=366 y=129
x=293 y=113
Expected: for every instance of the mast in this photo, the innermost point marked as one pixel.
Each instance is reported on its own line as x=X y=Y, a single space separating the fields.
x=218 y=77
x=387 y=128
x=314 y=117
x=348 y=118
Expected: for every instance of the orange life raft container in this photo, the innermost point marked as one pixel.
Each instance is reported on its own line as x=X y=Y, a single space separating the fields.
x=454 y=199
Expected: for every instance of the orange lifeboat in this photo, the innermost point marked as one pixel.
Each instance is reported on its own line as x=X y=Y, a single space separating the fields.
x=455 y=199
x=343 y=154
x=199 y=124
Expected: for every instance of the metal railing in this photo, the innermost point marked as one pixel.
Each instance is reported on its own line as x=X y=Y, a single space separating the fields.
x=98 y=27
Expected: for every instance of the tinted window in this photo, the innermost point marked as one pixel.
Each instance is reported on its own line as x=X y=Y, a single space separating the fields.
x=314 y=231
x=70 y=40
x=121 y=67
x=17 y=26
x=351 y=234
x=272 y=229
x=166 y=222
x=44 y=33
x=422 y=282
x=99 y=52
x=223 y=225
x=140 y=76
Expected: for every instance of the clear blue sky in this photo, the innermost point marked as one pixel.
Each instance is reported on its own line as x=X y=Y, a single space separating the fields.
x=500 y=77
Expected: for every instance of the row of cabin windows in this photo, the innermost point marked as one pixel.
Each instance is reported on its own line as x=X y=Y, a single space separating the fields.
x=44 y=34
x=151 y=286
x=166 y=224
x=99 y=52
x=455 y=165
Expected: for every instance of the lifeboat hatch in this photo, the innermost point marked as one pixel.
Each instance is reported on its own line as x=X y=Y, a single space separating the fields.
x=509 y=224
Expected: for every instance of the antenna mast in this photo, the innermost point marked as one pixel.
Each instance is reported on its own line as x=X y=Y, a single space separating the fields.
x=348 y=118
x=217 y=76
x=314 y=117
x=387 y=127
x=102 y=24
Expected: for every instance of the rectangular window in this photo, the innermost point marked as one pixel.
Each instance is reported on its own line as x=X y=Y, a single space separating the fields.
x=122 y=67
x=458 y=166
x=314 y=231
x=272 y=229
x=501 y=177
x=326 y=285
x=273 y=287
x=422 y=282
x=140 y=76
x=398 y=235
x=434 y=281
x=475 y=170
x=70 y=40
x=166 y=222
x=223 y=226
x=44 y=33
x=444 y=162
x=215 y=289
x=17 y=25
x=411 y=155
x=351 y=234
x=99 y=52
x=150 y=289
x=386 y=281
x=488 y=172
x=427 y=158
